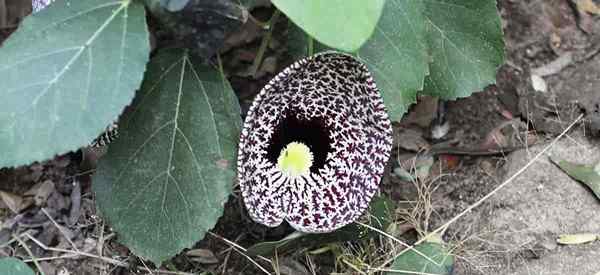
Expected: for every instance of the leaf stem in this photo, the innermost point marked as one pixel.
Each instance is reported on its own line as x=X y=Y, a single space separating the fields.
x=311 y=45
x=264 y=44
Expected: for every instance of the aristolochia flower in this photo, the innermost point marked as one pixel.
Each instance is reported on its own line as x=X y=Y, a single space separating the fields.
x=314 y=145
x=38 y=5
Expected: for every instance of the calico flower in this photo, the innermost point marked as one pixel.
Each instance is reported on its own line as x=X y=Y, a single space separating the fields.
x=38 y=5
x=314 y=145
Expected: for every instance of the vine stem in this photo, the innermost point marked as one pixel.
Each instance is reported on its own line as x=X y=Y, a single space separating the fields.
x=264 y=43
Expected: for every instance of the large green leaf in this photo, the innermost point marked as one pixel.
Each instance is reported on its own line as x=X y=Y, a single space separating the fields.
x=446 y=48
x=66 y=74
x=439 y=260
x=14 y=266
x=341 y=24
x=164 y=182
x=466 y=46
x=396 y=54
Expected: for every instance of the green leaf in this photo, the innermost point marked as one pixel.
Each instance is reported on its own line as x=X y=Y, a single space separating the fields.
x=411 y=262
x=162 y=184
x=14 y=266
x=381 y=211
x=341 y=24
x=465 y=44
x=396 y=54
x=446 y=48
x=587 y=174
x=66 y=74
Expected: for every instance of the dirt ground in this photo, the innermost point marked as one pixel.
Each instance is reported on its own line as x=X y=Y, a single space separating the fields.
x=512 y=232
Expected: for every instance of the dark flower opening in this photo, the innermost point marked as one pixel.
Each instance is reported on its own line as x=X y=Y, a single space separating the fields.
x=312 y=133
x=314 y=145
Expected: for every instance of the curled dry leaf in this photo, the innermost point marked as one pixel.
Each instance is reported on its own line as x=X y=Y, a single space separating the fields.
x=538 y=83
x=587 y=6
x=577 y=238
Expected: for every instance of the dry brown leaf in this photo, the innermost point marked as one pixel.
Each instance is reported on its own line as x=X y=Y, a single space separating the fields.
x=411 y=139
x=588 y=6
x=203 y=256
x=423 y=113
x=41 y=191
x=15 y=202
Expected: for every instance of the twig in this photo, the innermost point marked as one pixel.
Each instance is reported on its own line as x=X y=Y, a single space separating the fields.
x=486 y=197
x=353 y=267
x=241 y=250
x=77 y=253
x=33 y=258
x=60 y=229
x=399 y=241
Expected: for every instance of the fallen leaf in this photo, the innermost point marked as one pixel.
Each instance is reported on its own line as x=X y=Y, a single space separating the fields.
x=203 y=256
x=554 y=66
x=423 y=113
x=586 y=174
x=288 y=266
x=412 y=262
x=588 y=6
x=538 y=83
x=41 y=191
x=411 y=139
x=576 y=238
x=15 y=202
x=414 y=168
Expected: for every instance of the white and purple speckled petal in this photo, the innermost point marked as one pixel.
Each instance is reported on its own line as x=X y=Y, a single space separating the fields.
x=38 y=5
x=329 y=102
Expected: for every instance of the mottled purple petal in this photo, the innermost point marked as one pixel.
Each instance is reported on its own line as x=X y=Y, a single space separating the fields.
x=329 y=102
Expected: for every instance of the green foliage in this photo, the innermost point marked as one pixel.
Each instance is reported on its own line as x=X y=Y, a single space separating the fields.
x=381 y=212
x=465 y=44
x=340 y=24
x=70 y=70
x=14 y=266
x=587 y=174
x=443 y=48
x=440 y=260
x=66 y=73
x=164 y=182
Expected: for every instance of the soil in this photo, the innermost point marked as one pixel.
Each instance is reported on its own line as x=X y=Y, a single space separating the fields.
x=513 y=232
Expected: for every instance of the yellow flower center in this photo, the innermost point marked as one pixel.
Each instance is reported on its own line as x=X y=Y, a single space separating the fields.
x=295 y=159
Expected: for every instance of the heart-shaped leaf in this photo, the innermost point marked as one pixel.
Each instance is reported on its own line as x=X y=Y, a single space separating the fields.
x=164 y=181
x=440 y=47
x=340 y=24
x=14 y=266
x=439 y=260
x=465 y=45
x=67 y=73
